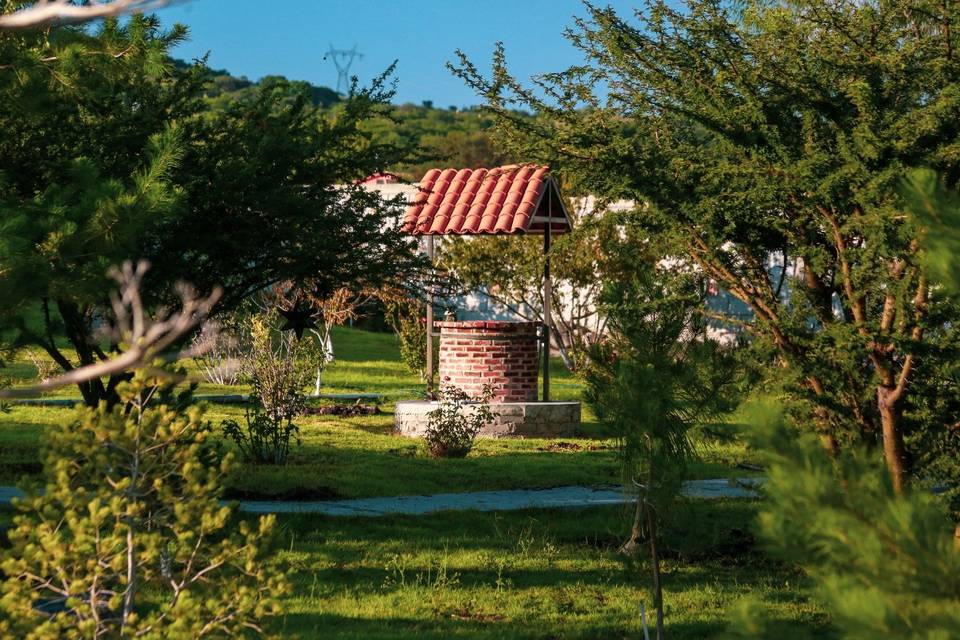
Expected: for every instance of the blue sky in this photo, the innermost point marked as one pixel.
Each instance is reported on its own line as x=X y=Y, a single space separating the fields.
x=289 y=37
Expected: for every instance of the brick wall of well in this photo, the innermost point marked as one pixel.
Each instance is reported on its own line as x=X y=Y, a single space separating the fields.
x=501 y=354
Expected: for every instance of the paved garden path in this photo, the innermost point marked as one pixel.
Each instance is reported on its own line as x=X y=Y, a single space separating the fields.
x=555 y=498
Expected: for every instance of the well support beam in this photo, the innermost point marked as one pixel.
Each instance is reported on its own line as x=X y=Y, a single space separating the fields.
x=547 y=296
x=430 y=254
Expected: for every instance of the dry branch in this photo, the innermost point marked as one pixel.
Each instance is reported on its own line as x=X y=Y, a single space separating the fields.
x=48 y=12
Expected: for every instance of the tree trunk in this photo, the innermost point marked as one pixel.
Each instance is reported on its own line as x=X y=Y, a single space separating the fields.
x=77 y=328
x=655 y=568
x=894 y=450
x=636 y=530
x=562 y=349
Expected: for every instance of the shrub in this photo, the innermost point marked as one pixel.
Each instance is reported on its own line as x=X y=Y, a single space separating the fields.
x=279 y=367
x=455 y=423
x=403 y=314
x=263 y=439
x=222 y=360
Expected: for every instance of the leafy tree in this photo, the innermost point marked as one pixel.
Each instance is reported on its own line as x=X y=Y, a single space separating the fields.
x=937 y=208
x=109 y=154
x=652 y=379
x=898 y=579
x=84 y=176
x=754 y=129
x=128 y=538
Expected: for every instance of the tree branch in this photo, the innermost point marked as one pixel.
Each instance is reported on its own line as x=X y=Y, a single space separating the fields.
x=48 y=12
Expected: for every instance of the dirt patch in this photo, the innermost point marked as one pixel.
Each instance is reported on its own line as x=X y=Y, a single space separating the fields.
x=561 y=446
x=404 y=452
x=478 y=616
x=344 y=410
x=555 y=447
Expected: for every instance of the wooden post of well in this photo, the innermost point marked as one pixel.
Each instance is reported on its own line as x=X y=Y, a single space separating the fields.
x=547 y=294
x=430 y=320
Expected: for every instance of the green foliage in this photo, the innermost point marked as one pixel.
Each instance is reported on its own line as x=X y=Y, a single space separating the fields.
x=656 y=376
x=886 y=564
x=937 y=208
x=651 y=380
x=445 y=137
x=128 y=537
x=455 y=423
x=758 y=130
x=221 y=89
x=262 y=439
x=404 y=315
x=311 y=162
x=110 y=153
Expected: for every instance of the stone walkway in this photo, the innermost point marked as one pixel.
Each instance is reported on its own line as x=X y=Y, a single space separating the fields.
x=555 y=498
x=220 y=398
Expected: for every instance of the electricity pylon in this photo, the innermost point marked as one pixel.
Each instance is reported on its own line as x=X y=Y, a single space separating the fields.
x=342 y=59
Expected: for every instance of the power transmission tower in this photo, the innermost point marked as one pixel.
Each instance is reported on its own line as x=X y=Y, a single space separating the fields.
x=342 y=59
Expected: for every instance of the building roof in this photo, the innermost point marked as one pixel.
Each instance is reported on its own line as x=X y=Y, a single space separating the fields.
x=502 y=200
x=381 y=178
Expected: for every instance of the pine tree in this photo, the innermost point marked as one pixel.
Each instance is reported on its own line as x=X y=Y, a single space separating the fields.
x=884 y=563
x=653 y=378
x=128 y=538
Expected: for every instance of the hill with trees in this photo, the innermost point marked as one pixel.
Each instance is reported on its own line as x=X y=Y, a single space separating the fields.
x=449 y=136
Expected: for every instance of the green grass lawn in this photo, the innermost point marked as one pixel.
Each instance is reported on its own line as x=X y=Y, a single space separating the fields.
x=537 y=574
x=359 y=457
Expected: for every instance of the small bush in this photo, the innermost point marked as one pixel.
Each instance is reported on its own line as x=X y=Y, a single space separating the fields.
x=262 y=440
x=279 y=367
x=451 y=429
x=224 y=354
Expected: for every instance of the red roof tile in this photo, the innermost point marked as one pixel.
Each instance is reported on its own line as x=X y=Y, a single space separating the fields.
x=507 y=199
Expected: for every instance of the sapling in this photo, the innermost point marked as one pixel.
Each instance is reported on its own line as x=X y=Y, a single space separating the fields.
x=653 y=378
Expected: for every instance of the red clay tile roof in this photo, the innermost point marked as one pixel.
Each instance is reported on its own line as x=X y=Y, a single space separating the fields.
x=507 y=199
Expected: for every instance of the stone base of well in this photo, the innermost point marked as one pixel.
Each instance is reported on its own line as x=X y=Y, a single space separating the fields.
x=513 y=419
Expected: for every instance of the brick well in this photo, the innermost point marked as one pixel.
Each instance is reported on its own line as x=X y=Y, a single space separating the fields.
x=501 y=354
